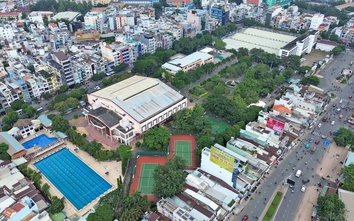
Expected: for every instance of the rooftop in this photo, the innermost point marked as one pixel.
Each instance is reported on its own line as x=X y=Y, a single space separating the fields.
x=251 y=38
x=14 y=145
x=140 y=97
x=66 y=15
x=182 y=62
x=106 y=116
x=348 y=199
x=61 y=56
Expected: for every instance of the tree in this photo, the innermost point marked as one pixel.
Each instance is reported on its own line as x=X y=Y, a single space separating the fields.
x=3 y=151
x=45 y=189
x=72 y=102
x=17 y=104
x=11 y=118
x=313 y=80
x=61 y=106
x=61 y=124
x=134 y=206
x=56 y=206
x=204 y=141
x=344 y=137
x=103 y=213
x=47 y=96
x=125 y=153
x=157 y=138
x=334 y=37
x=337 y=50
x=63 y=89
x=23 y=15
x=169 y=178
x=348 y=172
x=30 y=111
x=31 y=68
x=288 y=72
x=331 y=208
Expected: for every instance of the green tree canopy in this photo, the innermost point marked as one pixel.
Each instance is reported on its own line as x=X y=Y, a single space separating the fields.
x=11 y=118
x=169 y=178
x=314 y=80
x=3 y=151
x=63 y=89
x=156 y=138
x=331 y=208
x=192 y=120
x=17 y=104
x=61 y=124
x=348 y=172
x=134 y=207
x=344 y=137
x=103 y=213
x=56 y=206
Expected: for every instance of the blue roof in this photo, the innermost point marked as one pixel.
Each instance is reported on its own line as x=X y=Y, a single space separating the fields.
x=45 y=120
x=14 y=145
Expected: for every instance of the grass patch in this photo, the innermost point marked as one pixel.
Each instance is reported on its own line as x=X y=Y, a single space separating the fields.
x=273 y=206
x=196 y=91
x=333 y=95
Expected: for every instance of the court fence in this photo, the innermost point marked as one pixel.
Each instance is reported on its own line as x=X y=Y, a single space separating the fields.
x=148 y=153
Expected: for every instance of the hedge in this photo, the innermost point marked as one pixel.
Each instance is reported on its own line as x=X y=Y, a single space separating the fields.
x=273 y=206
x=203 y=94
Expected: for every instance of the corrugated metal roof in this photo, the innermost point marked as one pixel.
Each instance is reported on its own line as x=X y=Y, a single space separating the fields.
x=14 y=145
x=140 y=97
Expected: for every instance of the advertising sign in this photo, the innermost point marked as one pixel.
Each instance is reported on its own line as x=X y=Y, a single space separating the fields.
x=221 y=159
x=275 y=125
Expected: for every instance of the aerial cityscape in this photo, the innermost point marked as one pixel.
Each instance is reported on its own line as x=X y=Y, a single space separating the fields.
x=171 y=110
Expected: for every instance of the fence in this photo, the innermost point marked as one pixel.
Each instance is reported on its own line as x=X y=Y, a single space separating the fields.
x=149 y=153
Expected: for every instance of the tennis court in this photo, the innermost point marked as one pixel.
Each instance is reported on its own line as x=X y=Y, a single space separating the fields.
x=216 y=126
x=146 y=179
x=183 y=149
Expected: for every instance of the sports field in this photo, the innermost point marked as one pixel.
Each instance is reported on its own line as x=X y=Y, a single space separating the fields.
x=216 y=126
x=147 y=181
x=183 y=149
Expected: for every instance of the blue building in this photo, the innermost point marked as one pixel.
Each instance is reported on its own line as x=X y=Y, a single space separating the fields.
x=17 y=80
x=221 y=14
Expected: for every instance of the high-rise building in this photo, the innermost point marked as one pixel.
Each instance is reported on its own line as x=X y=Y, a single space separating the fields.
x=220 y=13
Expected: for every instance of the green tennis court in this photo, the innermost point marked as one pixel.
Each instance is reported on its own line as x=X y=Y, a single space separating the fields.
x=216 y=126
x=183 y=149
x=146 y=179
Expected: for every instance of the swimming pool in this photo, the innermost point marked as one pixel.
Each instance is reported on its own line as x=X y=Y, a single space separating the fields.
x=41 y=140
x=72 y=177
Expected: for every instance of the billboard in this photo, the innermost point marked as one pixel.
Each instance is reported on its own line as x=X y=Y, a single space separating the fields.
x=275 y=125
x=221 y=159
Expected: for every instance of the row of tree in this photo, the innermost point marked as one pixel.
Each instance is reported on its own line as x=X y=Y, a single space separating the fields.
x=57 y=205
x=61 y=6
x=63 y=102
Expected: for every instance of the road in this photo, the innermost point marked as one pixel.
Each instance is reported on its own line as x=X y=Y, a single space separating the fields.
x=299 y=158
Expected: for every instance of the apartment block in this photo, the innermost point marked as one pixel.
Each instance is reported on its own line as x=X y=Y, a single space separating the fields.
x=62 y=63
x=116 y=52
x=6 y=32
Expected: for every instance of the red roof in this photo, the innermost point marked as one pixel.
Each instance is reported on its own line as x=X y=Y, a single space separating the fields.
x=9 y=13
x=18 y=206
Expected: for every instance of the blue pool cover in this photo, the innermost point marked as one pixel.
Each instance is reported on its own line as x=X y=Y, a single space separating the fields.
x=42 y=141
x=73 y=178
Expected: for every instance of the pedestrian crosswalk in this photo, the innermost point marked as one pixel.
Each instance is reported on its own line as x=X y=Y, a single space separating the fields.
x=316 y=133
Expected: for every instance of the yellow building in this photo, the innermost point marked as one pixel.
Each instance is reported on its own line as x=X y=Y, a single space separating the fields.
x=51 y=75
x=87 y=35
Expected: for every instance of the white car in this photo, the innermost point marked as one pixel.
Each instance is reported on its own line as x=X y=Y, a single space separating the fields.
x=303 y=188
x=97 y=88
x=333 y=122
x=341 y=101
x=319 y=125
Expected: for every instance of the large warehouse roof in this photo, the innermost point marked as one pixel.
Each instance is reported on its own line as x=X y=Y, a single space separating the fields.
x=251 y=38
x=140 y=97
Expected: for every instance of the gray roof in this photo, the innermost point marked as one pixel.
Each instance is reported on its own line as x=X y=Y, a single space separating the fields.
x=14 y=145
x=45 y=120
x=106 y=116
x=61 y=56
x=140 y=97
x=182 y=62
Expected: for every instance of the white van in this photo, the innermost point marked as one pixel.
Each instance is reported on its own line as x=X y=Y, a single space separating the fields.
x=298 y=173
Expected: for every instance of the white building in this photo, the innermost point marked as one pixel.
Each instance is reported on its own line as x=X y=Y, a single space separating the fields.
x=6 y=32
x=96 y=20
x=35 y=17
x=301 y=45
x=325 y=45
x=316 y=21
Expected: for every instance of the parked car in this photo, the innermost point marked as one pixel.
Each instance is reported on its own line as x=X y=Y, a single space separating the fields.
x=305 y=181
x=333 y=122
x=319 y=125
x=317 y=141
x=303 y=188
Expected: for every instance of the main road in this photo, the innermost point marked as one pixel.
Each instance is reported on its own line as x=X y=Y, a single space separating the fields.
x=300 y=158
